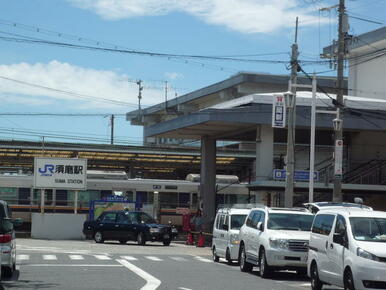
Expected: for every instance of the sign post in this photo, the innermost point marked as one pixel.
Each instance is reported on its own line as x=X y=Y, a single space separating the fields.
x=62 y=173
x=278 y=112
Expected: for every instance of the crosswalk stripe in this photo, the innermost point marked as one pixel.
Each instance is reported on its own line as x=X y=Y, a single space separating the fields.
x=152 y=258
x=76 y=257
x=201 y=259
x=178 y=259
x=49 y=257
x=22 y=257
x=129 y=258
x=102 y=257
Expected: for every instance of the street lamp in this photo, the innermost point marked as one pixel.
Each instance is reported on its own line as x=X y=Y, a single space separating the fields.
x=338 y=123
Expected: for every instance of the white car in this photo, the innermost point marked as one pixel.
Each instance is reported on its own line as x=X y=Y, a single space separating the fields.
x=225 y=242
x=7 y=240
x=348 y=249
x=275 y=239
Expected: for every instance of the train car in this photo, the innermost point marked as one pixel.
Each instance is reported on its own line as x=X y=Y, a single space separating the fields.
x=173 y=195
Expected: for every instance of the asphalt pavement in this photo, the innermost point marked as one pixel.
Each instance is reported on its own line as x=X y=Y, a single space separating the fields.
x=46 y=264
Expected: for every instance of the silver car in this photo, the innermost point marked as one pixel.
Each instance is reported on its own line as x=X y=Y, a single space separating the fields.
x=7 y=240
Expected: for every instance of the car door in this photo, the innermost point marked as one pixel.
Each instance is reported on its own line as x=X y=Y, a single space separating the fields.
x=106 y=224
x=336 y=251
x=221 y=235
x=248 y=232
x=123 y=229
x=256 y=237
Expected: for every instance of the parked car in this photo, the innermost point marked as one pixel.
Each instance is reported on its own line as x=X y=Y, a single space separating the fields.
x=275 y=239
x=126 y=226
x=225 y=242
x=348 y=249
x=7 y=239
x=317 y=206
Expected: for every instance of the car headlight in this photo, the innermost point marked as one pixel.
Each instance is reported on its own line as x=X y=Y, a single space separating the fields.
x=279 y=243
x=154 y=230
x=234 y=238
x=364 y=254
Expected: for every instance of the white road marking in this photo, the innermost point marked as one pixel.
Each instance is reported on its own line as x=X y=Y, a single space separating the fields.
x=102 y=257
x=49 y=257
x=178 y=259
x=183 y=288
x=201 y=259
x=152 y=283
x=152 y=258
x=76 y=257
x=129 y=258
x=22 y=257
x=71 y=265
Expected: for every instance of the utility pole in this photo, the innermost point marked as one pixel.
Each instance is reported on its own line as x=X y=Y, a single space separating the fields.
x=112 y=129
x=140 y=88
x=291 y=104
x=338 y=123
x=166 y=95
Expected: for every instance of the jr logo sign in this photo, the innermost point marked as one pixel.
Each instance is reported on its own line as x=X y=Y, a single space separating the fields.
x=48 y=170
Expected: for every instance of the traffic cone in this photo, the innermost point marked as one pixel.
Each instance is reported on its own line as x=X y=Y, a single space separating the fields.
x=201 y=240
x=189 y=240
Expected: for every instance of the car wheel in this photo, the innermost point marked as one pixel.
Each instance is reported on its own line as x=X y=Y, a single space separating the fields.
x=348 y=280
x=7 y=272
x=265 y=269
x=316 y=284
x=167 y=242
x=214 y=254
x=244 y=265
x=141 y=239
x=98 y=237
x=122 y=242
x=228 y=257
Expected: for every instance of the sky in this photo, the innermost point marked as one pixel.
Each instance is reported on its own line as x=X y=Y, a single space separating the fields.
x=79 y=60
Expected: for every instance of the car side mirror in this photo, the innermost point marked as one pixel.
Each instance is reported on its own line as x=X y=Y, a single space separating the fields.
x=338 y=239
x=225 y=227
x=260 y=226
x=17 y=222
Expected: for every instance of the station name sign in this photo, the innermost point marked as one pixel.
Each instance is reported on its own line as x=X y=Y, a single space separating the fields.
x=65 y=173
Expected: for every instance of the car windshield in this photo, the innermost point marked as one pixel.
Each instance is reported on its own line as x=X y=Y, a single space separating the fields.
x=291 y=222
x=140 y=217
x=369 y=229
x=237 y=220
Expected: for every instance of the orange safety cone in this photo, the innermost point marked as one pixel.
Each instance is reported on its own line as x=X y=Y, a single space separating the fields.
x=201 y=240
x=189 y=240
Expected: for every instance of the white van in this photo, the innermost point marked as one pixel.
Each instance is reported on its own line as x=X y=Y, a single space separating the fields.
x=225 y=243
x=348 y=249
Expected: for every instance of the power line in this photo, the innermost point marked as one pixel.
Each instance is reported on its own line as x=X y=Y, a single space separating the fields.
x=97 y=99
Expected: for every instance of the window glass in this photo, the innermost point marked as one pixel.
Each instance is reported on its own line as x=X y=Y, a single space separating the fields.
x=368 y=229
x=340 y=226
x=226 y=220
x=139 y=217
x=256 y=219
x=290 y=221
x=122 y=219
x=249 y=219
x=218 y=221
x=222 y=218
x=109 y=218
x=323 y=224
x=237 y=220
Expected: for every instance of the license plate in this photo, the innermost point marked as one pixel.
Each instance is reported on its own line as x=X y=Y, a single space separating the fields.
x=166 y=236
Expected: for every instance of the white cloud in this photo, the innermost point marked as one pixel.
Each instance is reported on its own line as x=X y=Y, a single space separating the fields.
x=245 y=16
x=173 y=75
x=66 y=77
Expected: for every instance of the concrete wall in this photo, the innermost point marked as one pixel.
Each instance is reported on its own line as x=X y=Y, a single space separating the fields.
x=367 y=145
x=57 y=226
x=367 y=78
